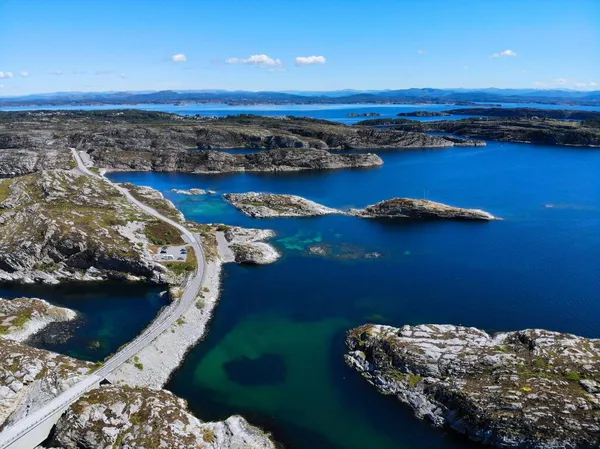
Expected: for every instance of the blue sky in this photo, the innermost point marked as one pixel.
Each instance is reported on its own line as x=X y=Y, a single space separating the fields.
x=91 y=45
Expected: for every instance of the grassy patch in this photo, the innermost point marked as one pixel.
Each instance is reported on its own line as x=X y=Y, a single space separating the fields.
x=4 y=188
x=161 y=233
x=414 y=379
x=573 y=375
x=189 y=266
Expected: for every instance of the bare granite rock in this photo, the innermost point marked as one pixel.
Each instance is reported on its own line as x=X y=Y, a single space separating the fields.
x=30 y=377
x=248 y=247
x=420 y=209
x=22 y=317
x=269 y=205
x=529 y=389
x=63 y=225
x=141 y=418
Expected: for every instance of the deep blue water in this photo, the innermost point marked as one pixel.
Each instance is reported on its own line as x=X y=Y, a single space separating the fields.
x=338 y=113
x=285 y=322
x=110 y=314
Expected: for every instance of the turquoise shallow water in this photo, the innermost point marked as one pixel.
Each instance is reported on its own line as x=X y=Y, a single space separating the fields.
x=275 y=346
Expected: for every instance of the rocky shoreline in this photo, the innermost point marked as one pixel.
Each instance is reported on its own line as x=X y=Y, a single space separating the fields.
x=21 y=318
x=526 y=389
x=410 y=208
x=121 y=416
x=270 y=205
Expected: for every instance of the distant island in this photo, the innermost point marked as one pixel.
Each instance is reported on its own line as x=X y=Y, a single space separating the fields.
x=458 y=97
x=525 y=125
x=364 y=114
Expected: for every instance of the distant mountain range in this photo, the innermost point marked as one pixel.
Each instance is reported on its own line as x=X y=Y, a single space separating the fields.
x=401 y=96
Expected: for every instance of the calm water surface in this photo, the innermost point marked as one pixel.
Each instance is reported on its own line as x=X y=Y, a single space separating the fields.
x=275 y=346
x=110 y=315
x=338 y=113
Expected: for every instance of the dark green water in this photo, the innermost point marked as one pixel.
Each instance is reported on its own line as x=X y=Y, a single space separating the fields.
x=275 y=346
x=109 y=315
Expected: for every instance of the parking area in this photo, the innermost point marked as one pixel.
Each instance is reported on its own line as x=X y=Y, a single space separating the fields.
x=172 y=253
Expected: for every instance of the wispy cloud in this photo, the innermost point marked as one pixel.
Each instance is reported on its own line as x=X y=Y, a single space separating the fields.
x=422 y=52
x=57 y=73
x=6 y=75
x=310 y=60
x=590 y=85
x=540 y=85
x=561 y=81
x=179 y=57
x=504 y=54
x=122 y=75
x=104 y=72
x=263 y=61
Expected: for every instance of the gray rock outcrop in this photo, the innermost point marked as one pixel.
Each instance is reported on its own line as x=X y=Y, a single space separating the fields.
x=526 y=389
x=141 y=418
x=248 y=246
x=409 y=208
x=269 y=205
x=22 y=317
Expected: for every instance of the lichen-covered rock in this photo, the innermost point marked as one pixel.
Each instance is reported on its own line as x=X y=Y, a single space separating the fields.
x=62 y=224
x=527 y=389
x=420 y=209
x=269 y=205
x=248 y=247
x=142 y=418
x=30 y=377
x=22 y=317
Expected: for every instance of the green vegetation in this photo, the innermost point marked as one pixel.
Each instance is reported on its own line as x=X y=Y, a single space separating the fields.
x=414 y=379
x=161 y=233
x=573 y=375
x=4 y=189
x=189 y=266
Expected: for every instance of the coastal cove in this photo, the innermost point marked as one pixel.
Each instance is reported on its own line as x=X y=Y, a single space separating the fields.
x=109 y=314
x=274 y=352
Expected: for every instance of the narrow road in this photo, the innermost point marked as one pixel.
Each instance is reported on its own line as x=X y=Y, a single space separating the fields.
x=162 y=322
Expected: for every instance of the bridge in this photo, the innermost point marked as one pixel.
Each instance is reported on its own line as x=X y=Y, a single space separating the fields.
x=36 y=427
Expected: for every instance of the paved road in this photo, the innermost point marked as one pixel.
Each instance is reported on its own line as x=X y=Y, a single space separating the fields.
x=167 y=318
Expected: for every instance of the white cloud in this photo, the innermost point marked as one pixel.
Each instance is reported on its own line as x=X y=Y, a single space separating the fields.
x=589 y=85
x=504 y=53
x=104 y=72
x=421 y=52
x=57 y=73
x=179 y=57
x=24 y=74
x=310 y=60
x=263 y=61
x=561 y=81
x=6 y=75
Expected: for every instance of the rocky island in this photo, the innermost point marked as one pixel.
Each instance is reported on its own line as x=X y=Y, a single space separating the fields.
x=157 y=141
x=409 y=208
x=518 y=125
x=269 y=205
x=524 y=389
x=423 y=114
x=364 y=114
